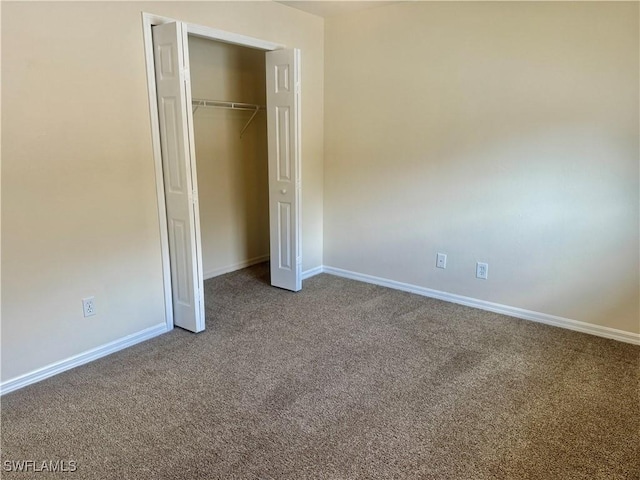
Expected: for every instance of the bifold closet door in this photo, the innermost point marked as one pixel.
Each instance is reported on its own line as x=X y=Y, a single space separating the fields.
x=283 y=130
x=176 y=136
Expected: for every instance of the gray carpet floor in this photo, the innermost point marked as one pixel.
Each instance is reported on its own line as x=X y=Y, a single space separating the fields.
x=343 y=380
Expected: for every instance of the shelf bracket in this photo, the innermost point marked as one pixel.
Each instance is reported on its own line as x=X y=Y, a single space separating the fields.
x=250 y=120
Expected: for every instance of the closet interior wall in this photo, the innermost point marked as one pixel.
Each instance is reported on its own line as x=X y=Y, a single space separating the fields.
x=232 y=170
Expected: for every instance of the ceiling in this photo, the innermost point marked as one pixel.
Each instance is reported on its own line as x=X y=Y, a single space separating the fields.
x=332 y=8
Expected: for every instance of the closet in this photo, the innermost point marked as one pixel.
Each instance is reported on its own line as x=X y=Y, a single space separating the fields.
x=228 y=90
x=227 y=171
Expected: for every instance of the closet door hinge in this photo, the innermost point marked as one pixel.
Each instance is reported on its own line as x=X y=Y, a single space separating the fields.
x=186 y=78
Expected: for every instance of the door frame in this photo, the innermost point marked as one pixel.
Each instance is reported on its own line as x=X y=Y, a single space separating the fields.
x=148 y=21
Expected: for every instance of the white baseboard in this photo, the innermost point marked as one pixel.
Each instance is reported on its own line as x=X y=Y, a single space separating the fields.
x=148 y=333
x=312 y=272
x=236 y=266
x=82 y=358
x=576 y=325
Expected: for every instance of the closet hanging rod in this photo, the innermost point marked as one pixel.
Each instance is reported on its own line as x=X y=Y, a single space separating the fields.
x=201 y=102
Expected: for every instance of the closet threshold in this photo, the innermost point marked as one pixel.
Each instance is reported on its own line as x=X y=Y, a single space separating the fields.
x=201 y=102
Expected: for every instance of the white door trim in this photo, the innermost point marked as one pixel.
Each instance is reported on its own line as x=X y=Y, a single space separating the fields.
x=229 y=37
x=149 y=20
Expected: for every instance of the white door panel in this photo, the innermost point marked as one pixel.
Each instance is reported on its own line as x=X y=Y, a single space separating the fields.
x=176 y=140
x=283 y=127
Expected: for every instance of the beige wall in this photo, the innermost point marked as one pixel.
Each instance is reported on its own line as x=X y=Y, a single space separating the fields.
x=496 y=132
x=233 y=177
x=79 y=212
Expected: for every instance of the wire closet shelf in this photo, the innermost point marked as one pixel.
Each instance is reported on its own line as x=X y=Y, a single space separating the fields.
x=205 y=103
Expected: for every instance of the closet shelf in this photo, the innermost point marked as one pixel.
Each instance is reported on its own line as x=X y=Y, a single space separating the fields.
x=201 y=102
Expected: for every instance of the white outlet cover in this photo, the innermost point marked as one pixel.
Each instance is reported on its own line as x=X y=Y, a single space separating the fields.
x=88 y=306
x=482 y=270
x=441 y=260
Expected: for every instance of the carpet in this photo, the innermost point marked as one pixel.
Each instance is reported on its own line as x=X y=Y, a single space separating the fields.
x=342 y=380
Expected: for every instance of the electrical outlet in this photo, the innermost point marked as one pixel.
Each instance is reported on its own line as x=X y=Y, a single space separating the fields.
x=88 y=306
x=441 y=260
x=482 y=270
